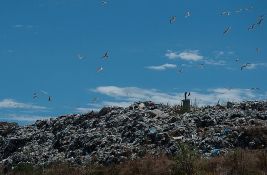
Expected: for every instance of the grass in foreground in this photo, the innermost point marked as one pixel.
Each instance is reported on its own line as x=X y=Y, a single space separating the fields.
x=239 y=162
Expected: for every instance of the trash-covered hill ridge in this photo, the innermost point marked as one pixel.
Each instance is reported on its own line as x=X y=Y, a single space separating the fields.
x=116 y=134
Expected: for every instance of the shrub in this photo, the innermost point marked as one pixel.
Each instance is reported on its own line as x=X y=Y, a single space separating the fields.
x=209 y=166
x=25 y=169
x=262 y=161
x=149 y=165
x=241 y=162
x=185 y=160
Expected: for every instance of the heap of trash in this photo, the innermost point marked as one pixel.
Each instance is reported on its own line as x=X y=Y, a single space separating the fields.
x=116 y=134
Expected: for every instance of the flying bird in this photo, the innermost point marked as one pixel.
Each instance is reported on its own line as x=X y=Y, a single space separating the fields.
x=180 y=70
x=187 y=14
x=260 y=19
x=226 y=13
x=105 y=56
x=226 y=30
x=35 y=95
x=100 y=69
x=104 y=3
x=258 y=50
x=237 y=59
x=80 y=57
x=173 y=19
x=94 y=100
x=249 y=8
x=244 y=66
x=201 y=65
x=251 y=27
x=239 y=10
x=45 y=93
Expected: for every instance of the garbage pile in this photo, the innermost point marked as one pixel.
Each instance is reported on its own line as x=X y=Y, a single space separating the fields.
x=116 y=134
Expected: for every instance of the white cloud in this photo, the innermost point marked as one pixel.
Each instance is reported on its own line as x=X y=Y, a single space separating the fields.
x=23 y=26
x=218 y=53
x=255 y=65
x=120 y=103
x=162 y=67
x=210 y=97
x=221 y=53
x=224 y=95
x=192 y=55
x=96 y=107
x=18 y=26
x=12 y=104
x=171 y=55
x=30 y=118
x=215 y=62
x=86 y=109
x=132 y=93
x=251 y=66
x=187 y=55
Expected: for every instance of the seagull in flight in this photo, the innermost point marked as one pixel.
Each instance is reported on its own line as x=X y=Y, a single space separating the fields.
x=251 y=27
x=35 y=95
x=249 y=8
x=187 y=14
x=100 y=69
x=104 y=3
x=173 y=19
x=105 y=56
x=237 y=59
x=180 y=70
x=94 y=100
x=258 y=50
x=260 y=19
x=239 y=10
x=244 y=66
x=226 y=30
x=226 y=13
x=201 y=65
x=80 y=57
x=45 y=93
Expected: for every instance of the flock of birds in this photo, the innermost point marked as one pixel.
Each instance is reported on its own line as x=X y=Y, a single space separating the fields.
x=105 y=57
x=172 y=20
x=49 y=97
x=187 y=15
x=227 y=30
x=250 y=28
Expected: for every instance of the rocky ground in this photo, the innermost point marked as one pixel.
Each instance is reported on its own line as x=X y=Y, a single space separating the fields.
x=116 y=134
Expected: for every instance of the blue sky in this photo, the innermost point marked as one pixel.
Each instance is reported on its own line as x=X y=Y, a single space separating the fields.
x=54 y=48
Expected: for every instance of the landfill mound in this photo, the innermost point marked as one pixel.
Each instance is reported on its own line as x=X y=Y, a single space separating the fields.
x=116 y=134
